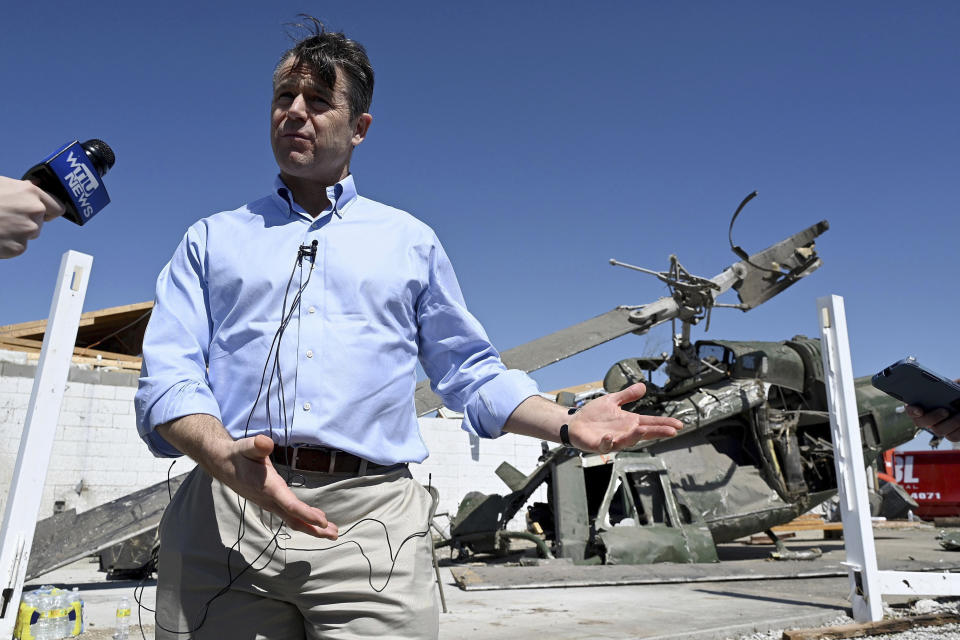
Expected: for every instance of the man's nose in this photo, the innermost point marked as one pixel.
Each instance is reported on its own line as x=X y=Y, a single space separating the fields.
x=298 y=108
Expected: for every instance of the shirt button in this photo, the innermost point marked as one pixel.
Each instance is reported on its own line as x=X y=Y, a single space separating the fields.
x=306 y=406
x=309 y=354
x=311 y=310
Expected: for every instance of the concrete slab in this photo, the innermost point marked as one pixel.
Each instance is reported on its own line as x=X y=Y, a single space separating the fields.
x=913 y=551
x=696 y=610
x=705 y=611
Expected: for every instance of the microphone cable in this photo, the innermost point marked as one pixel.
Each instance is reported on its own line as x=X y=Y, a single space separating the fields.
x=242 y=502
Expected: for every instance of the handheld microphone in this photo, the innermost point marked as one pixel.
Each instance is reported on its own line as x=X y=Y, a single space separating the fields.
x=73 y=174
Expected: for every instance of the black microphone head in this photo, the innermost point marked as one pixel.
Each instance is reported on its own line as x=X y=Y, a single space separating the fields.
x=100 y=154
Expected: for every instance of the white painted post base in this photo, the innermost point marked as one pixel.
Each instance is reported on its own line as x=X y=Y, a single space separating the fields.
x=867 y=582
x=39 y=430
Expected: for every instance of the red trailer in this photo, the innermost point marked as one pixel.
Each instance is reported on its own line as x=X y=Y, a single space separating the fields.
x=932 y=478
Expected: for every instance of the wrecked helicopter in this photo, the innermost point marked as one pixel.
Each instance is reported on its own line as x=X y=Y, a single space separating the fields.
x=755 y=451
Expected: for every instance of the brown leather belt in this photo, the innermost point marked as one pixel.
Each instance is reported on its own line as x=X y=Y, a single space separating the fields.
x=324 y=460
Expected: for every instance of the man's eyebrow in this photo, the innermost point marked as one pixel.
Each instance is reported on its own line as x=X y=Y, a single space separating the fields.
x=308 y=85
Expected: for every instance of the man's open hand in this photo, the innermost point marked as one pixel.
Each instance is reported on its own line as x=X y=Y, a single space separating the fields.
x=602 y=426
x=244 y=466
x=250 y=473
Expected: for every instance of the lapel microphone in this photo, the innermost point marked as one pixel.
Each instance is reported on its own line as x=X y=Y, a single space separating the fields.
x=308 y=250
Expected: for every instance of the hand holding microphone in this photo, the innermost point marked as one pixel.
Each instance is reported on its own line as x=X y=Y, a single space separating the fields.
x=24 y=207
x=68 y=182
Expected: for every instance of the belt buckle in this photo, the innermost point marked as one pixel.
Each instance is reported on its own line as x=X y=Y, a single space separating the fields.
x=293 y=458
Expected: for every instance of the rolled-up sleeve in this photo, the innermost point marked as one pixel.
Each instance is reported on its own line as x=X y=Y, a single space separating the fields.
x=173 y=380
x=465 y=370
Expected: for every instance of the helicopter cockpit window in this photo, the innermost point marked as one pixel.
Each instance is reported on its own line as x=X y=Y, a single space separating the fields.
x=621 y=507
x=714 y=354
x=757 y=363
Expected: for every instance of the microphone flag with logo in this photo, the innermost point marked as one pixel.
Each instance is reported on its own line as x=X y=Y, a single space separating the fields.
x=74 y=175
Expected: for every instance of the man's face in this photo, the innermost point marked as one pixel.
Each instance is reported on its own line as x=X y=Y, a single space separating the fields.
x=311 y=130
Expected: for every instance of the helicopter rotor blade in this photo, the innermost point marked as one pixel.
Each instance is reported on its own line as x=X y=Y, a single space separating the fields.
x=790 y=259
x=756 y=279
x=541 y=352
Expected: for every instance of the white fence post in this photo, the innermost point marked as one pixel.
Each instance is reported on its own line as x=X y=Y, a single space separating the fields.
x=39 y=430
x=848 y=461
x=867 y=582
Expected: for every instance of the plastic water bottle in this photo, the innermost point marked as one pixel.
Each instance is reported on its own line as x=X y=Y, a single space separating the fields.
x=55 y=621
x=75 y=614
x=61 y=614
x=44 y=606
x=123 y=620
x=26 y=628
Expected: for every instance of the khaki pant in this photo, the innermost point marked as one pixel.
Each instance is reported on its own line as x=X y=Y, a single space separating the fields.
x=283 y=584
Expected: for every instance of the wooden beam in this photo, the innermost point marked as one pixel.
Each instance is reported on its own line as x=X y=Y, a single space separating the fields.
x=104 y=362
x=811 y=526
x=902 y=524
x=864 y=629
x=587 y=386
x=763 y=538
x=118 y=360
x=39 y=326
x=946 y=521
x=33 y=346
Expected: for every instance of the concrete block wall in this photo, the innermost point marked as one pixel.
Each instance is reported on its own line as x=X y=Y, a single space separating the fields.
x=461 y=463
x=97 y=455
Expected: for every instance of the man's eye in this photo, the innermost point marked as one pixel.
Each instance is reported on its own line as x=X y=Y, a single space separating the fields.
x=286 y=96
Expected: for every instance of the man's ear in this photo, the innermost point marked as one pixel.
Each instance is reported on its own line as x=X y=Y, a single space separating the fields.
x=361 y=127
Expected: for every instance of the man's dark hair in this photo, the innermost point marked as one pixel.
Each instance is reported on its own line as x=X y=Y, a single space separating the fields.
x=322 y=53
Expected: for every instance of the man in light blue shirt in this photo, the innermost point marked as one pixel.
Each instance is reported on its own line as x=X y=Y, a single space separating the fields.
x=281 y=357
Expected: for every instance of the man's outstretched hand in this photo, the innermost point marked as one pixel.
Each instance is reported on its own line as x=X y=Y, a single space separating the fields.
x=250 y=473
x=602 y=426
x=244 y=465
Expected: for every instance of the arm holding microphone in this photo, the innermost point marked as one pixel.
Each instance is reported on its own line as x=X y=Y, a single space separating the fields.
x=68 y=183
x=24 y=207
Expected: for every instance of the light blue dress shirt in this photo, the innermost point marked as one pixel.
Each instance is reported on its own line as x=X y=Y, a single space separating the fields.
x=380 y=293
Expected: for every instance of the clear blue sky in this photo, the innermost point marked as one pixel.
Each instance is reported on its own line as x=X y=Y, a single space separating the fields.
x=539 y=140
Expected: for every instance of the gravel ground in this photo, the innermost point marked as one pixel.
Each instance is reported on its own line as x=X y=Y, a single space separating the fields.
x=940 y=605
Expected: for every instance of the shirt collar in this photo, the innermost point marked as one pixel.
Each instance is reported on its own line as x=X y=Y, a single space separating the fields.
x=341 y=194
